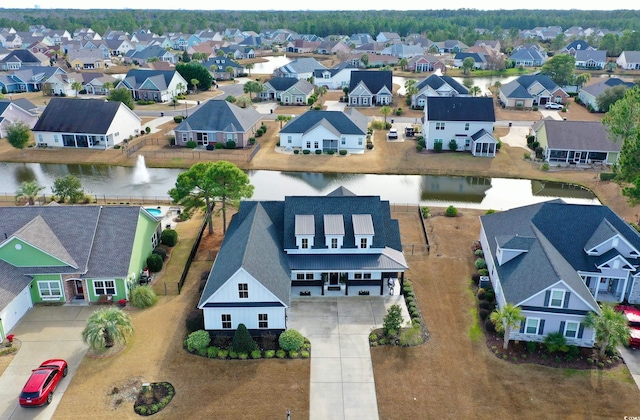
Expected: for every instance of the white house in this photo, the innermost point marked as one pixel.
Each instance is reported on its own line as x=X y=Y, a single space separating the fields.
x=334 y=245
x=11 y=112
x=326 y=130
x=589 y=94
x=337 y=77
x=460 y=123
x=629 y=60
x=154 y=85
x=91 y=123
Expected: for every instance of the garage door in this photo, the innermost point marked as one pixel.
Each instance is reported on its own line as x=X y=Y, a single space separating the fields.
x=16 y=309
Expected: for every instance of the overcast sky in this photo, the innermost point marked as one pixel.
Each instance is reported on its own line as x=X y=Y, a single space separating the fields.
x=341 y=4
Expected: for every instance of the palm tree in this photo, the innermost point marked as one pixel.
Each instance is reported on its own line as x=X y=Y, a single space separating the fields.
x=385 y=110
x=248 y=66
x=403 y=63
x=230 y=70
x=611 y=327
x=181 y=88
x=244 y=101
x=474 y=90
x=506 y=319
x=321 y=90
x=283 y=118
x=77 y=86
x=106 y=328
x=29 y=190
x=582 y=79
x=195 y=83
x=107 y=86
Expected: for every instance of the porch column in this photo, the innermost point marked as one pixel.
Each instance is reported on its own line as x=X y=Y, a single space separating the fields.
x=402 y=282
x=624 y=288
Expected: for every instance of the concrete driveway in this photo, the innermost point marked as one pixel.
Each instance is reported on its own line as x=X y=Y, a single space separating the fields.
x=46 y=332
x=517 y=137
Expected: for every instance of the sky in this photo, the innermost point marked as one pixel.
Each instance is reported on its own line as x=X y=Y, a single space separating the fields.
x=341 y=5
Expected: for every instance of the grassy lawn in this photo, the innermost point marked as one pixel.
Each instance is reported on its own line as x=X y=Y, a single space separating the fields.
x=454 y=375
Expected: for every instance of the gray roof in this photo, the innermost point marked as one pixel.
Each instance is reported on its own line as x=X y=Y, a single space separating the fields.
x=513 y=89
x=459 y=108
x=579 y=135
x=596 y=55
x=281 y=84
x=337 y=121
x=94 y=241
x=597 y=88
x=301 y=65
x=66 y=115
x=524 y=54
x=435 y=82
x=632 y=56
x=557 y=248
x=160 y=78
x=220 y=116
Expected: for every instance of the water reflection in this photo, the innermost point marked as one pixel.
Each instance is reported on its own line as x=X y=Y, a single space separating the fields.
x=24 y=173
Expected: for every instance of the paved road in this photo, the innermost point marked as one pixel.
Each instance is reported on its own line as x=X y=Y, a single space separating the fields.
x=45 y=332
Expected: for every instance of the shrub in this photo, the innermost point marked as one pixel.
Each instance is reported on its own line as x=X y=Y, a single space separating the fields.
x=607 y=176
x=483 y=272
x=154 y=263
x=437 y=146
x=539 y=152
x=281 y=354
x=242 y=341
x=195 y=320
x=392 y=320
x=252 y=140
x=479 y=253
x=330 y=151
x=343 y=152
x=425 y=211
x=411 y=336
x=490 y=211
x=198 y=341
x=305 y=354
x=489 y=326
x=269 y=354
x=212 y=352
x=545 y=166
x=233 y=354
x=475 y=278
x=147 y=130
x=160 y=251
x=191 y=144
x=573 y=351
x=210 y=147
x=453 y=145
x=419 y=148
x=223 y=354
x=291 y=340
x=256 y=354
x=230 y=144
x=399 y=111
x=143 y=297
x=306 y=151
x=373 y=337
x=169 y=237
x=480 y=263
x=451 y=211
x=485 y=304
x=318 y=152
x=296 y=151
x=556 y=341
x=481 y=293
x=531 y=346
x=490 y=294
x=294 y=354
x=243 y=356
x=527 y=155
x=484 y=313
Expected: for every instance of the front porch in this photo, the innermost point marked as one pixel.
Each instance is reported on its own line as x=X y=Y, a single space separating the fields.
x=338 y=284
x=606 y=289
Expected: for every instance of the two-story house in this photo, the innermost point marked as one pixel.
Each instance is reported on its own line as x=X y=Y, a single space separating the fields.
x=334 y=245
x=337 y=77
x=370 y=88
x=435 y=85
x=460 y=123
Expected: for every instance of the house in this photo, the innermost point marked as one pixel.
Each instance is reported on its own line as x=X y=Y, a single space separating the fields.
x=555 y=269
x=435 y=85
x=370 y=88
x=153 y=85
x=426 y=62
x=150 y=53
x=301 y=68
x=493 y=45
x=528 y=56
x=86 y=59
x=448 y=46
x=326 y=130
x=219 y=67
x=62 y=84
x=94 y=83
x=334 y=245
x=404 y=51
x=333 y=47
x=591 y=59
x=18 y=59
x=479 y=60
x=629 y=60
x=588 y=95
x=91 y=123
x=301 y=46
x=287 y=90
x=576 y=142
x=575 y=46
x=28 y=79
x=219 y=122
x=531 y=90
x=388 y=37
x=337 y=77
x=64 y=254
x=11 y=112
x=360 y=39
x=119 y=47
x=460 y=123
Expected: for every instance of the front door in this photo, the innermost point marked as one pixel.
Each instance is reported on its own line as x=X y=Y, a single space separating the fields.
x=334 y=279
x=79 y=289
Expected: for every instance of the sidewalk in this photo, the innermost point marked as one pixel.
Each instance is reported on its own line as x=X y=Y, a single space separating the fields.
x=342 y=386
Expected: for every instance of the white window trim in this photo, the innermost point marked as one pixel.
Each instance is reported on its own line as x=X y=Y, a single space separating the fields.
x=566 y=328
x=95 y=287
x=561 y=299
x=526 y=326
x=48 y=288
x=265 y=320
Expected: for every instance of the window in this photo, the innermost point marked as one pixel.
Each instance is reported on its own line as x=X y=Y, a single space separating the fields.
x=359 y=141
x=571 y=329
x=532 y=326
x=289 y=139
x=300 y=276
x=367 y=276
x=439 y=126
x=50 y=290
x=344 y=141
x=104 y=287
x=40 y=139
x=357 y=276
x=466 y=126
x=263 y=320
x=55 y=138
x=557 y=298
x=305 y=243
x=309 y=276
x=316 y=144
x=334 y=243
x=308 y=144
x=363 y=242
x=519 y=104
x=184 y=137
x=226 y=321
x=243 y=290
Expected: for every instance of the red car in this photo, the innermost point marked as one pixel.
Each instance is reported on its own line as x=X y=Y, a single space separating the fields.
x=633 y=316
x=43 y=381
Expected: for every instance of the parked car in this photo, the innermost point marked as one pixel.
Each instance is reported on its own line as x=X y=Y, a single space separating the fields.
x=393 y=134
x=633 y=316
x=553 y=105
x=43 y=382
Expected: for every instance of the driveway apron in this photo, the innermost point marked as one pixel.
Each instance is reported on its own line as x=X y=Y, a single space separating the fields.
x=45 y=332
x=341 y=383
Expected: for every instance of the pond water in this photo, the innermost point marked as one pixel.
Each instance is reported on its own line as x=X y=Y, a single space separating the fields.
x=117 y=183
x=272 y=63
x=482 y=82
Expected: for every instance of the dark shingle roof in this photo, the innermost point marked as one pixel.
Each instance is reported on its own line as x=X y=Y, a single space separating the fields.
x=282 y=83
x=221 y=116
x=338 y=120
x=91 y=116
x=435 y=82
x=597 y=88
x=374 y=80
x=579 y=135
x=459 y=108
x=161 y=78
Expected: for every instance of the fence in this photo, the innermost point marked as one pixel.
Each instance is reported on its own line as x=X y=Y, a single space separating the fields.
x=192 y=254
x=212 y=155
x=413 y=249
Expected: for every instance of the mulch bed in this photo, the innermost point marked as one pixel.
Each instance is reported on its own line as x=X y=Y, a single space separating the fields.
x=154 y=399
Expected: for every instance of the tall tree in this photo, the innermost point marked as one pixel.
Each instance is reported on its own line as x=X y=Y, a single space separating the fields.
x=610 y=96
x=560 y=68
x=18 y=134
x=283 y=118
x=364 y=59
x=623 y=124
x=195 y=83
x=467 y=65
x=582 y=79
x=122 y=95
x=231 y=185
x=107 y=86
x=106 y=328
x=249 y=67
x=243 y=101
x=77 y=87
x=253 y=87
x=68 y=187
x=29 y=190
x=385 y=110
x=403 y=63
x=611 y=328
x=506 y=319
x=194 y=70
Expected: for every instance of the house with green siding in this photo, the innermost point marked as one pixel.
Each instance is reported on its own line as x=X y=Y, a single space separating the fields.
x=70 y=254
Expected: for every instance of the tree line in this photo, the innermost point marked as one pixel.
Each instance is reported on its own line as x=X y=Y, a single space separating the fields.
x=436 y=24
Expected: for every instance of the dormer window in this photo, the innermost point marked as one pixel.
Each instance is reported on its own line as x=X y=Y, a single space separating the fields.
x=334 y=243
x=304 y=244
x=363 y=243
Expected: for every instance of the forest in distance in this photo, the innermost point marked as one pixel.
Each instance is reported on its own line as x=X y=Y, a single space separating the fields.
x=436 y=24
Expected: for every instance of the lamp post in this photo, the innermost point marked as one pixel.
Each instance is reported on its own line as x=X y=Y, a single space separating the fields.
x=186 y=111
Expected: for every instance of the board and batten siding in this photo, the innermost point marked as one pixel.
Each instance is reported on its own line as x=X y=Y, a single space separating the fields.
x=245 y=315
x=228 y=292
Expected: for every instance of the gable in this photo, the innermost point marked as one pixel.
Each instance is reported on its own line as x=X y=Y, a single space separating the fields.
x=570 y=300
x=23 y=254
x=228 y=292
